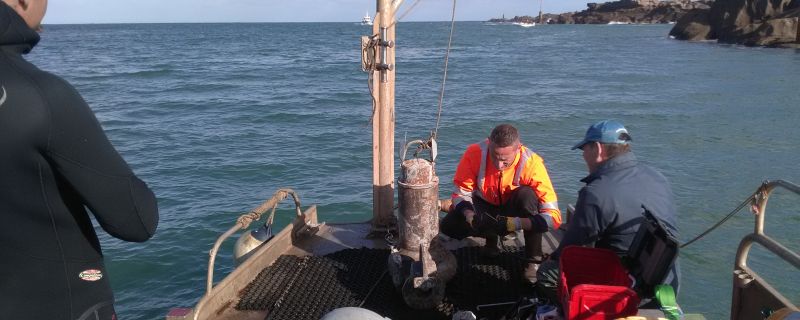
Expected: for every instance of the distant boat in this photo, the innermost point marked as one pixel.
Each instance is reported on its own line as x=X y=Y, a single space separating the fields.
x=528 y=24
x=366 y=20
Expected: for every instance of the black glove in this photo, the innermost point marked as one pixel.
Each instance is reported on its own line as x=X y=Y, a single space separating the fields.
x=501 y=226
x=493 y=225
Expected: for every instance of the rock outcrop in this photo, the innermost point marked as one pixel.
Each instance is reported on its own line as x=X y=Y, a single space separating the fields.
x=634 y=11
x=772 y=23
x=622 y=12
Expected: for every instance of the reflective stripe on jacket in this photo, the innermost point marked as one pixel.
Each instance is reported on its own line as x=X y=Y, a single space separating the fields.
x=475 y=178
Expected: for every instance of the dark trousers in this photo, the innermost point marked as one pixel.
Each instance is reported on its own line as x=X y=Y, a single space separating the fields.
x=522 y=203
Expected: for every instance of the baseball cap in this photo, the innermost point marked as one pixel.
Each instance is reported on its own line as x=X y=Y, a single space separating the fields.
x=606 y=131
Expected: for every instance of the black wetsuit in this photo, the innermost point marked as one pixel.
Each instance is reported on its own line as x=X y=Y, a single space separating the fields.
x=55 y=161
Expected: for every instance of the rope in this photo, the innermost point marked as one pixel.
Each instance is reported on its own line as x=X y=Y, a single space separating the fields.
x=375 y=285
x=730 y=215
x=368 y=61
x=372 y=95
x=726 y=218
x=405 y=13
x=246 y=219
x=444 y=77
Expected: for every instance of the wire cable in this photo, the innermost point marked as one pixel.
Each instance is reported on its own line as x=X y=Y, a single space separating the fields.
x=444 y=77
x=726 y=218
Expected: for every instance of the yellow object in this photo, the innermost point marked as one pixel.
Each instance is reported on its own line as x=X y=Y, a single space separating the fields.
x=510 y=225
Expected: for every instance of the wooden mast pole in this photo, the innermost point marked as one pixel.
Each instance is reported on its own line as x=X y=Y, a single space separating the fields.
x=383 y=122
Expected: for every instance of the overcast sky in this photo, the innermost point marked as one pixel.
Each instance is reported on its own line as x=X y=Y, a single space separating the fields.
x=131 y=11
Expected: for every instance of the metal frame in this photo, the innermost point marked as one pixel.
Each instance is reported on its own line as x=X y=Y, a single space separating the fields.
x=751 y=293
x=217 y=298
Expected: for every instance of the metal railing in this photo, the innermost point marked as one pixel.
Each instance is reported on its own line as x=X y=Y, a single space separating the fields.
x=751 y=293
x=244 y=221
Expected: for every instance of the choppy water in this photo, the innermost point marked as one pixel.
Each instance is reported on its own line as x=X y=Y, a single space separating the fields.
x=216 y=117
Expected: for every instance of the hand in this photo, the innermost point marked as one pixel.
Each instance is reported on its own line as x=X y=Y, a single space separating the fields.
x=469 y=216
x=501 y=226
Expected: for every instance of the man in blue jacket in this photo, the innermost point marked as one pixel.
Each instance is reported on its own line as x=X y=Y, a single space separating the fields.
x=610 y=210
x=55 y=162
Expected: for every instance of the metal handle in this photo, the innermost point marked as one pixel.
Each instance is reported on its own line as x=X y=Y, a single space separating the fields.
x=430 y=144
x=758 y=236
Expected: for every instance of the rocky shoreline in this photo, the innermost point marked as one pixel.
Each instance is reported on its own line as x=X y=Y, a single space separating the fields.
x=769 y=23
x=619 y=12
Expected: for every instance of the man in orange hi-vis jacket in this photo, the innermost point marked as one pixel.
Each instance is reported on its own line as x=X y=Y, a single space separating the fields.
x=501 y=186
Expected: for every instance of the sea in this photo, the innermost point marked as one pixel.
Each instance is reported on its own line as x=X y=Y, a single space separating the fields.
x=217 y=117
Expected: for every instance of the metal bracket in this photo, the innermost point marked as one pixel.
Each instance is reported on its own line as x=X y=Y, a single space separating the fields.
x=388 y=44
x=742 y=278
x=307 y=229
x=384 y=66
x=369 y=46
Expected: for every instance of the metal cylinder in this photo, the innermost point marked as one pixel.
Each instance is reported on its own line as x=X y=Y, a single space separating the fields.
x=418 y=195
x=421 y=266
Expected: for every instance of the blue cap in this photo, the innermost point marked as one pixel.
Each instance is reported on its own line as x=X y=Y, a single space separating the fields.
x=606 y=131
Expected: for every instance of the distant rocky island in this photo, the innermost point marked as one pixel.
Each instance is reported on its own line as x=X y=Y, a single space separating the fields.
x=770 y=23
x=619 y=12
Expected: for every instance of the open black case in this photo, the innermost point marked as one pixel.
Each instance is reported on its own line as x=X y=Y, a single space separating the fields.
x=651 y=254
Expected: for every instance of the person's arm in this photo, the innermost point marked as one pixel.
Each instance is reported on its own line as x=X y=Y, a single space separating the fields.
x=82 y=155
x=586 y=224
x=464 y=180
x=549 y=216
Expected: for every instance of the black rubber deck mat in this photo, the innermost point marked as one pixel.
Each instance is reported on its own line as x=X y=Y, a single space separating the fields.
x=309 y=287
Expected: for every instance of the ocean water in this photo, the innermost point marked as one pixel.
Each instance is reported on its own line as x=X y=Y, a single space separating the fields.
x=216 y=117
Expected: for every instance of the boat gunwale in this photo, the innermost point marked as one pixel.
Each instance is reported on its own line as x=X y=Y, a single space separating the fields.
x=214 y=303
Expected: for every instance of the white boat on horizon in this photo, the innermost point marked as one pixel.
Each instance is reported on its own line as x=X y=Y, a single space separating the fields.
x=366 y=20
x=525 y=24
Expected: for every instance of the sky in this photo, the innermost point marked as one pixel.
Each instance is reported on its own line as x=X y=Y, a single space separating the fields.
x=155 y=11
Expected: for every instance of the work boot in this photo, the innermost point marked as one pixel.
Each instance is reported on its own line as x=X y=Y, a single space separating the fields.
x=530 y=271
x=490 y=249
x=533 y=254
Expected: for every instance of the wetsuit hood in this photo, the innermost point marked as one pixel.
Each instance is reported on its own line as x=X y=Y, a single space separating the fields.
x=14 y=32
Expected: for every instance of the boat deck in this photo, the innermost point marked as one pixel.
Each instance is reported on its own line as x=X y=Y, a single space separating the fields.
x=338 y=267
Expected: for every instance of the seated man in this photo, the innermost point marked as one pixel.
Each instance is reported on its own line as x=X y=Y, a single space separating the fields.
x=501 y=186
x=610 y=210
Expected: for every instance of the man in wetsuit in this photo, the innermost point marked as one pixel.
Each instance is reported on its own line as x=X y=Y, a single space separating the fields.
x=55 y=161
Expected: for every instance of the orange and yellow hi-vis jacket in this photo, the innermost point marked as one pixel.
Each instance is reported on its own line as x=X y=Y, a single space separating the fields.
x=477 y=176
